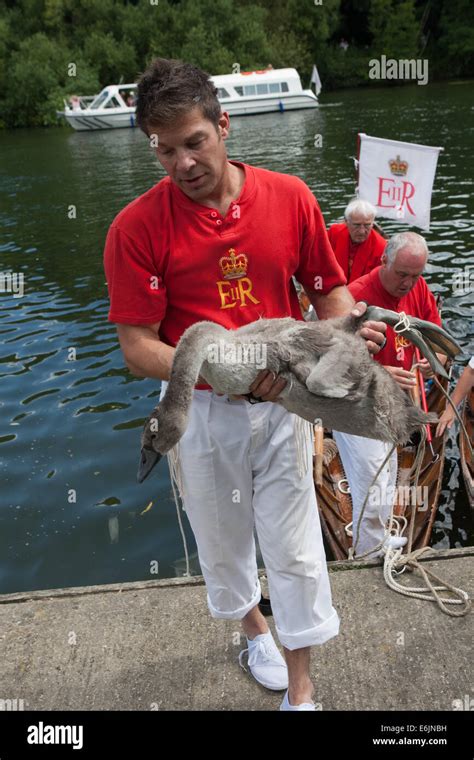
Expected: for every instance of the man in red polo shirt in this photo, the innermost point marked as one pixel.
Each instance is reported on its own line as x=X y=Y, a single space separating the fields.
x=357 y=245
x=397 y=285
x=221 y=240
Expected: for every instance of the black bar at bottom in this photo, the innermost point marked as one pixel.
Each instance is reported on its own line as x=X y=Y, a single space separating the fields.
x=375 y=734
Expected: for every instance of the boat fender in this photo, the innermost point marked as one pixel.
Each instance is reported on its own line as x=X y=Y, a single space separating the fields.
x=281 y=106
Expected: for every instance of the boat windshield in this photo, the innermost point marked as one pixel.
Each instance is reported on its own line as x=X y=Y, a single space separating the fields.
x=100 y=99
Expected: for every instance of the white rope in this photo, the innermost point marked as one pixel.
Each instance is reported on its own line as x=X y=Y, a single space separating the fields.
x=403 y=324
x=395 y=563
x=364 y=505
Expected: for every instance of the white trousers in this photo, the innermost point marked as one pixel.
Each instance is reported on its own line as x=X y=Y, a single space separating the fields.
x=361 y=458
x=238 y=466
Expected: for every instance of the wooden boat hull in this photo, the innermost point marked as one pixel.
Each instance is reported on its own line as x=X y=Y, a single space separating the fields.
x=334 y=501
x=466 y=461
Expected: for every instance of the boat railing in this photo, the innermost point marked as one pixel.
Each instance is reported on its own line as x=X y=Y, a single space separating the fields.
x=83 y=101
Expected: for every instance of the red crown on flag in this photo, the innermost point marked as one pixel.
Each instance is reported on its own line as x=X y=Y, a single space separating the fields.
x=398 y=167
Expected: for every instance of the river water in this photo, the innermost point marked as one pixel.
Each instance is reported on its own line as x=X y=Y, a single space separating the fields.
x=71 y=512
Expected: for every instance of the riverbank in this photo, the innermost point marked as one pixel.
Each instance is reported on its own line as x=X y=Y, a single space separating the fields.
x=153 y=646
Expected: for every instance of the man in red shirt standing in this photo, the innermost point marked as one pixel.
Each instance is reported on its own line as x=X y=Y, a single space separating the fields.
x=220 y=240
x=397 y=285
x=357 y=245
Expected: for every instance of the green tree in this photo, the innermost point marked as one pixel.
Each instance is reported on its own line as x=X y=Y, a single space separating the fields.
x=38 y=78
x=394 y=28
x=112 y=59
x=455 y=42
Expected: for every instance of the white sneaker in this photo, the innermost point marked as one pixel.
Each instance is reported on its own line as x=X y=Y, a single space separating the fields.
x=265 y=662
x=392 y=542
x=285 y=705
x=395 y=542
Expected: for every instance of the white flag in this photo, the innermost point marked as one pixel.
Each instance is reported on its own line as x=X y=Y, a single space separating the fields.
x=315 y=80
x=397 y=178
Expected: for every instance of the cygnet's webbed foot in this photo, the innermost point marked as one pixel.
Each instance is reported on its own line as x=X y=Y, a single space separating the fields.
x=148 y=458
x=426 y=336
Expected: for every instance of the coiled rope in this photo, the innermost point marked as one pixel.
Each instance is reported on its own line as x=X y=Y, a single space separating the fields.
x=395 y=562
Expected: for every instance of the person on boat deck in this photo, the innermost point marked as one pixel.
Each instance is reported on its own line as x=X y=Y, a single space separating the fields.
x=75 y=103
x=397 y=285
x=220 y=240
x=464 y=386
x=357 y=245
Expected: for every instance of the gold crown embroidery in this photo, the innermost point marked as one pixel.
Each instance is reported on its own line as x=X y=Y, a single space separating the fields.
x=234 y=265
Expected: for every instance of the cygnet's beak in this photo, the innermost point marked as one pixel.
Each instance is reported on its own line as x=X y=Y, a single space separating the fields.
x=148 y=459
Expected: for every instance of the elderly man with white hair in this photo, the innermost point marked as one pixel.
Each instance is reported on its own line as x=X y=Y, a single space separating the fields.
x=397 y=285
x=357 y=245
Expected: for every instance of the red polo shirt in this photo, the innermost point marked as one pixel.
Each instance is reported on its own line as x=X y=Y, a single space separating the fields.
x=356 y=259
x=170 y=259
x=419 y=302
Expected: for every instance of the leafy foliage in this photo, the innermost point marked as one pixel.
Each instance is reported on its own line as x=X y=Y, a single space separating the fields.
x=113 y=40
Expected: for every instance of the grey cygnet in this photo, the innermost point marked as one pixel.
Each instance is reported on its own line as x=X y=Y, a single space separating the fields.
x=330 y=376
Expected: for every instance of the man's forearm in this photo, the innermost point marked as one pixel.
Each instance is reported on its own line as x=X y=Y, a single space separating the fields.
x=154 y=361
x=465 y=383
x=144 y=353
x=337 y=303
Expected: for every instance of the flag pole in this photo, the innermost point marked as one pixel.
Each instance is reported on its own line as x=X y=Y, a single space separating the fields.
x=357 y=165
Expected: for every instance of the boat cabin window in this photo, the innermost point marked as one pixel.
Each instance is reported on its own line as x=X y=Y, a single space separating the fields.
x=260 y=89
x=112 y=103
x=222 y=93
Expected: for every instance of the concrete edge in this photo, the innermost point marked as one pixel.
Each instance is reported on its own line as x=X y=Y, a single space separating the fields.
x=198 y=580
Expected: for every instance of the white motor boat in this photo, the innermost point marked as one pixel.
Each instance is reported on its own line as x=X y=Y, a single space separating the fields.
x=240 y=94
x=251 y=92
x=112 y=108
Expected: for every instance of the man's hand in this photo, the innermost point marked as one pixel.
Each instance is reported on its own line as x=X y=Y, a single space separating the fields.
x=403 y=377
x=267 y=386
x=372 y=332
x=445 y=421
x=425 y=368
